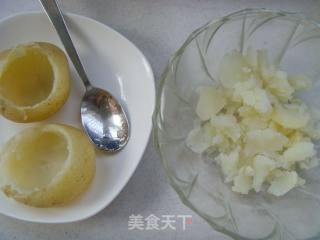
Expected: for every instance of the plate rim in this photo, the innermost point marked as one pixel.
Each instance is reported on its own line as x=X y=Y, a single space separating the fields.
x=150 y=72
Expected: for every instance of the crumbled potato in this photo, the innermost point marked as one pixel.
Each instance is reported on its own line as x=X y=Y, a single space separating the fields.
x=283 y=183
x=211 y=101
x=227 y=126
x=229 y=164
x=262 y=166
x=242 y=183
x=262 y=131
x=263 y=141
x=293 y=116
x=200 y=138
x=299 y=151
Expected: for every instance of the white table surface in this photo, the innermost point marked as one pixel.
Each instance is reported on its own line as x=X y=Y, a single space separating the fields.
x=158 y=28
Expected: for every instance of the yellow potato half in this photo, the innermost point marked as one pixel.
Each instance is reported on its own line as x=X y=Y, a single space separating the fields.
x=34 y=81
x=47 y=165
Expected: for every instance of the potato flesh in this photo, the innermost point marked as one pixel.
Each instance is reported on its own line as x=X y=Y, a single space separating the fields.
x=270 y=127
x=28 y=79
x=36 y=161
x=47 y=165
x=34 y=81
x=209 y=95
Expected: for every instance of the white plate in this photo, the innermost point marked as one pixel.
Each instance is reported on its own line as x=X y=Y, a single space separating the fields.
x=112 y=62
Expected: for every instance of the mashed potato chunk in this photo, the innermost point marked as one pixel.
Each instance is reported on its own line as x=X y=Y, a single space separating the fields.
x=261 y=130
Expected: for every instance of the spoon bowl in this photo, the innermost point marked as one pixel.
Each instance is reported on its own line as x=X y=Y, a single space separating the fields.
x=104 y=120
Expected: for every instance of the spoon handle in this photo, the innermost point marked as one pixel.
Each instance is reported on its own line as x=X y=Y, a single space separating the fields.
x=55 y=15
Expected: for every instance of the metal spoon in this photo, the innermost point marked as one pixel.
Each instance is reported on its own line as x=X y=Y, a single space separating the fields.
x=103 y=118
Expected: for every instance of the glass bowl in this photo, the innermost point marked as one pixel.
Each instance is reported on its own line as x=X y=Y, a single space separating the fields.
x=293 y=42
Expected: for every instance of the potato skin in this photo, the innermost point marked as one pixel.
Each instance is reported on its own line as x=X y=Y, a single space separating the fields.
x=55 y=100
x=74 y=180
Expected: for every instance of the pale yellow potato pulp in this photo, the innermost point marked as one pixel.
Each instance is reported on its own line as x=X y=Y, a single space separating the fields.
x=34 y=81
x=261 y=130
x=47 y=165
